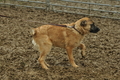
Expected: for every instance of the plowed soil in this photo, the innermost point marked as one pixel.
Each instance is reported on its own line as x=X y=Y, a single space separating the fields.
x=18 y=59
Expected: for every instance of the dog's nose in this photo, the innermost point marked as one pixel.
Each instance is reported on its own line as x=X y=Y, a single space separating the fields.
x=98 y=29
x=94 y=29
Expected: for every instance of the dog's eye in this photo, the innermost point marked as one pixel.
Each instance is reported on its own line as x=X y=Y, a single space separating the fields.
x=83 y=23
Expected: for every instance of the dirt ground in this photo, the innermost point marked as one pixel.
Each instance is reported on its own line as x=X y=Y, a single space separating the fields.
x=18 y=59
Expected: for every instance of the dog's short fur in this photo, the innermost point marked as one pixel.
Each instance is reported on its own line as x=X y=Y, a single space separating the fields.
x=68 y=36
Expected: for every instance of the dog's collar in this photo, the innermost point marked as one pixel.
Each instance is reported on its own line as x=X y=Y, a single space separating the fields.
x=74 y=28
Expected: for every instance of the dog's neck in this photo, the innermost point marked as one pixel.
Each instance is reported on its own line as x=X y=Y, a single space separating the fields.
x=77 y=30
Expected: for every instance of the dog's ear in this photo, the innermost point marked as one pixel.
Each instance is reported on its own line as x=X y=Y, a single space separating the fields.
x=83 y=23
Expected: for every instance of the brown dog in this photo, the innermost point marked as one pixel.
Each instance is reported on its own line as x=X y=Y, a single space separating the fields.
x=66 y=36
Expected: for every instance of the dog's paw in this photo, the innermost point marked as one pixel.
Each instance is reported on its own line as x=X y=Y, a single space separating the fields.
x=75 y=66
x=47 y=64
x=46 y=68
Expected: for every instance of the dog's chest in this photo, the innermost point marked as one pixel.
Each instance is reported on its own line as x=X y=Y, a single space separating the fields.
x=73 y=38
x=73 y=41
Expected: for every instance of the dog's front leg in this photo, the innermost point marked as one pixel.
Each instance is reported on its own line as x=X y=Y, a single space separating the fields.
x=70 y=55
x=83 y=47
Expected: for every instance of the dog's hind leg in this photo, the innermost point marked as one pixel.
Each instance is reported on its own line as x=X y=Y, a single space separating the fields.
x=44 y=50
x=83 y=47
x=70 y=55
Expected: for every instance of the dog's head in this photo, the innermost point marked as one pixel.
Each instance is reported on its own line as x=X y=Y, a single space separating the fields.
x=86 y=25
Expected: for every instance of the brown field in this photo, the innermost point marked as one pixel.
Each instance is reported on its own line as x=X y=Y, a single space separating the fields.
x=18 y=59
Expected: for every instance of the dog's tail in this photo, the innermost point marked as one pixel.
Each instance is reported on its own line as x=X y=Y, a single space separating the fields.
x=33 y=31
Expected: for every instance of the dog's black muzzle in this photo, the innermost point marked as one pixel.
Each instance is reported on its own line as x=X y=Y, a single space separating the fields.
x=94 y=29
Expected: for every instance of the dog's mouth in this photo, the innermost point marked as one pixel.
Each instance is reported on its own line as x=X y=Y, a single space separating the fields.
x=94 y=29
